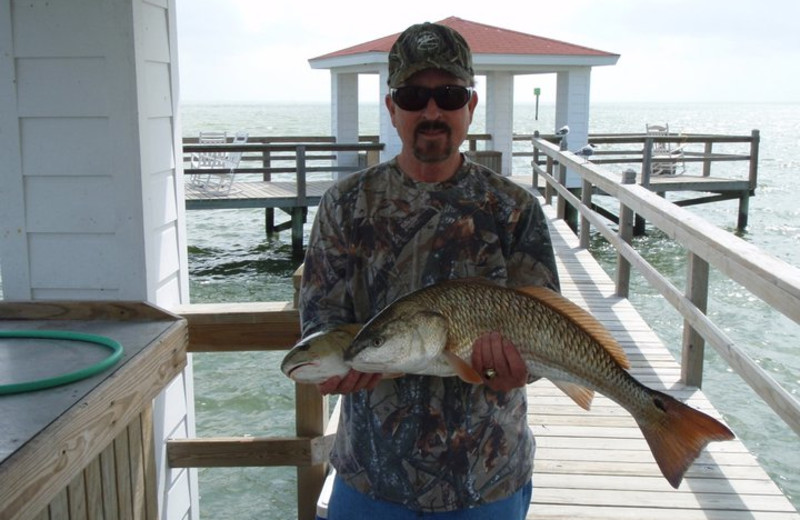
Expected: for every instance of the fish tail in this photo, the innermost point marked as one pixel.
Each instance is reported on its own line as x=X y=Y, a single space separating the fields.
x=678 y=437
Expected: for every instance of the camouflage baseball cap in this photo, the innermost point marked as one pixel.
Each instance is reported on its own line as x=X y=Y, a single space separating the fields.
x=429 y=46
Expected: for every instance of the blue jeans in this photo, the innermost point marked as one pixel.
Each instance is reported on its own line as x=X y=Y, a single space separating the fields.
x=348 y=504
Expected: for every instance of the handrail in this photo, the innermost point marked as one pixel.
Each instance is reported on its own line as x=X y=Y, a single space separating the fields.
x=226 y=327
x=301 y=153
x=262 y=152
x=302 y=150
x=637 y=155
x=774 y=281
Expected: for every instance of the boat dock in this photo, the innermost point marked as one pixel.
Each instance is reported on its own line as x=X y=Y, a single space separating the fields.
x=277 y=173
x=596 y=464
x=589 y=465
x=288 y=171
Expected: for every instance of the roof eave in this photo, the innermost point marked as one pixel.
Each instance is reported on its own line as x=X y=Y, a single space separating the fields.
x=551 y=60
x=374 y=61
x=351 y=60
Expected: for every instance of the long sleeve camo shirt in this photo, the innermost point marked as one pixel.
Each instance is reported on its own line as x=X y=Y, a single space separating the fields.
x=429 y=443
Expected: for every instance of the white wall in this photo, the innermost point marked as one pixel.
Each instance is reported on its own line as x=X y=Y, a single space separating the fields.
x=89 y=181
x=91 y=203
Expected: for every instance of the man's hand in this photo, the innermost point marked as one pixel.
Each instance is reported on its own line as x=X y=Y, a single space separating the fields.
x=353 y=381
x=498 y=362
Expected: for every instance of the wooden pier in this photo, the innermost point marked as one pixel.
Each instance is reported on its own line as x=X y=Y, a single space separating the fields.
x=305 y=158
x=597 y=465
x=589 y=465
x=293 y=189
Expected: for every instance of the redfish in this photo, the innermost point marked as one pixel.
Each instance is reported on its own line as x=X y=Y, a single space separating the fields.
x=432 y=330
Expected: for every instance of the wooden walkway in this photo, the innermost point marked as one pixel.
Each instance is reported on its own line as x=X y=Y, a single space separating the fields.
x=257 y=194
x=283 y=194
x=596 y=465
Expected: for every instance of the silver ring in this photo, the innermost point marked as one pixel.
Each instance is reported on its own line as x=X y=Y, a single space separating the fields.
x=490 y=373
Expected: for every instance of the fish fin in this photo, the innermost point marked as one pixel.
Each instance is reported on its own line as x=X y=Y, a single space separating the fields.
x=677 y=439
x=580 y=394
x=463 y=369
x=581 y=318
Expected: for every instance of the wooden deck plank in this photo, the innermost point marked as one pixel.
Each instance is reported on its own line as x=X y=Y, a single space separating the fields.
x=256 y=194
x=596 y=464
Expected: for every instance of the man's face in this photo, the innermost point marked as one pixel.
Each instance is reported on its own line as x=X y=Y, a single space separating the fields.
x=432 y=134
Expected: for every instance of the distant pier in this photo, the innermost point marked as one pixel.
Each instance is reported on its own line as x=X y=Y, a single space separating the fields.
x=291 y=173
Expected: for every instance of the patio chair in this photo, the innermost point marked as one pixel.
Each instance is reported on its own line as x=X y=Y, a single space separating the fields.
x=666 y=159
x=218 y=182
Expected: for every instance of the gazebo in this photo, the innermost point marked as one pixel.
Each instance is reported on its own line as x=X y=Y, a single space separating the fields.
x=499 y=55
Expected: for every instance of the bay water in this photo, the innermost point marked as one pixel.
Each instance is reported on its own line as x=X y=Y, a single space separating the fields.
x=231 y=260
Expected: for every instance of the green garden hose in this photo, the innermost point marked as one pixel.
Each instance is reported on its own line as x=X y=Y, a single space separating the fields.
x=71 y=377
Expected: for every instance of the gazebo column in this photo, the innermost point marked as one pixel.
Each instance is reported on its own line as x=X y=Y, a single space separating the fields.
x=388 y=135
x=500 y=115
x=572 y=109
x=344 y=115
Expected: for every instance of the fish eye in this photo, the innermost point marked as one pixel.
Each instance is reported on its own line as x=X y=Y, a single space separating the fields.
x=377 y=341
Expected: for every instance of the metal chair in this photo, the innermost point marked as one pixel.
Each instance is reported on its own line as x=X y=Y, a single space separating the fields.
x=217 y=182
x=665 y=159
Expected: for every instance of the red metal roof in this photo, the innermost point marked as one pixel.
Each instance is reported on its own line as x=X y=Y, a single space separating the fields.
x=484 y=39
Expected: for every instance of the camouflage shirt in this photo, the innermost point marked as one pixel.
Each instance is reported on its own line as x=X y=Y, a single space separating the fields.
x=429 y=443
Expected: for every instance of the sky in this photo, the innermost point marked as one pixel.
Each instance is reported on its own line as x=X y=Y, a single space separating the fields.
x=674 y=51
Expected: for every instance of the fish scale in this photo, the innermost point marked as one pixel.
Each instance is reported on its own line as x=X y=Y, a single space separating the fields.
x=557 y=343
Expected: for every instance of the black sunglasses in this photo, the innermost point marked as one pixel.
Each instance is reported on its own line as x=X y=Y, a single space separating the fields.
x=447 y=97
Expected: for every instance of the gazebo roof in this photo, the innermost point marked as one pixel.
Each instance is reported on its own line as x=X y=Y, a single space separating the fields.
x=499 y=55
x=491 y=47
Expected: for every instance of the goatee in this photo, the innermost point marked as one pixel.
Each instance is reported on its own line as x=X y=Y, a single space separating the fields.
x=432 y=150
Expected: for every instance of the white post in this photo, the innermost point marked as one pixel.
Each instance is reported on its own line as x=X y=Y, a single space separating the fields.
x=344 y=116
x=572 y=109
x=499 y=110
x=388 y=134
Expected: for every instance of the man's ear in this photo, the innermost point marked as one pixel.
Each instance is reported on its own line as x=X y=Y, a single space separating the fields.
x=390 y=106
x=473 y=102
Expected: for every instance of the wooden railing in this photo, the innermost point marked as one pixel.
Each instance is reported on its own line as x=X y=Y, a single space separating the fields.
x=268 y=155
x=248 y=327
x=260 y=157
x=615 y=149
x=770 y=279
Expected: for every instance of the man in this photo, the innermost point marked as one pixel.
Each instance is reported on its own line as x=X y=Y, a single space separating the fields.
x=421 y=444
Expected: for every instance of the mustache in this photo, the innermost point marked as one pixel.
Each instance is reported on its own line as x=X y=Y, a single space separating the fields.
x=432 y=125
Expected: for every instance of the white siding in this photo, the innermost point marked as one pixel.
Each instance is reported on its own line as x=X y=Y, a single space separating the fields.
x=92 y=201
x=65 y=146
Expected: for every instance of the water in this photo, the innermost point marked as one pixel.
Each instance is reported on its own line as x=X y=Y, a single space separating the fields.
x=232 y=260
